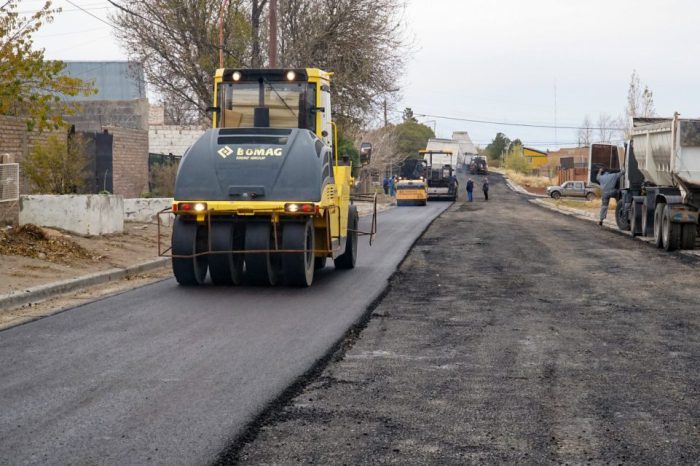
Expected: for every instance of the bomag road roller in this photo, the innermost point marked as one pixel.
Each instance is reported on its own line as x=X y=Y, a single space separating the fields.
x=264 y=193
x=411 y=188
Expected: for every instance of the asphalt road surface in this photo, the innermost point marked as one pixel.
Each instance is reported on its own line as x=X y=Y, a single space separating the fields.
x=170 y=375
x=510 y=335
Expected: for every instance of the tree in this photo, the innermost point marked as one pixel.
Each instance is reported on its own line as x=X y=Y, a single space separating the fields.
x=497 y=147
x=515 y=159
x=585 y=132
x=606 y=128
x=30 y=86
x=408 y=115
x=59 y=166
x=412 y=137
x=177 y=42
x=640 y=102
x=359 y=40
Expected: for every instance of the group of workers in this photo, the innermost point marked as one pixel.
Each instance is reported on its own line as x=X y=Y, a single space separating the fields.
x=484 y=188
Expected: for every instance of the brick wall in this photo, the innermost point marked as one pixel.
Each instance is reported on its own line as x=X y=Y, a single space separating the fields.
x=15 y=143
x=129 y=161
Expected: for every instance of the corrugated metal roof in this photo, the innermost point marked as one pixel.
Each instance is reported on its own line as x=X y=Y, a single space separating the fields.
x=114 y=80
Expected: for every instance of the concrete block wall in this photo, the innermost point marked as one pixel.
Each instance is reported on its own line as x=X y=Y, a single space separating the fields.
x=93 y=115
x=129 y=161
x=170 y=139
x=146 y=210
x=84 y=214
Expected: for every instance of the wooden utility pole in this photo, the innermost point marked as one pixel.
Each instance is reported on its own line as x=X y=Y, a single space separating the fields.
x=386 y=120
x=273 y=34
x=224 y=4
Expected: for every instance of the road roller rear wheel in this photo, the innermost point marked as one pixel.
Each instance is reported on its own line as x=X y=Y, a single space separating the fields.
x=226 y=268
x=319 y=263
x=349 y=257
x=298 y=267
x=260 y=266
x=189 y=238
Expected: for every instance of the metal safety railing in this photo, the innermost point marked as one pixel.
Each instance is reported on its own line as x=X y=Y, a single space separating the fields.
x=9 y=182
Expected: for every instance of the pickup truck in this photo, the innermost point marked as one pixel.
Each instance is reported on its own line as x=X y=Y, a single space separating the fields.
x=573 y=189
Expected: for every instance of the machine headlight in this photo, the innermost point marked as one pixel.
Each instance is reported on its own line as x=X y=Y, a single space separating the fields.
x=293 y=208
x=236 y=75
x=291 y=75
x=200 y=207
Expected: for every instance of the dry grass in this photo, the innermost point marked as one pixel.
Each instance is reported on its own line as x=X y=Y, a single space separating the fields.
x=526 y=180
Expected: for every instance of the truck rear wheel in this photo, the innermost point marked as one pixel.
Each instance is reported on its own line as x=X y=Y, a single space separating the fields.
x=260 y=266
x=647 y=221
x=349 y=257
x=226 y=268
x=636 y=218
x=621 y=219
x=188 y=239
x=671 y=232
x=298 y=267
x=658 y=220
x=590 y=197
x=689 y=233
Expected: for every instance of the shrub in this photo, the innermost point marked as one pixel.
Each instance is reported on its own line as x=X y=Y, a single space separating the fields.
x=59 y=166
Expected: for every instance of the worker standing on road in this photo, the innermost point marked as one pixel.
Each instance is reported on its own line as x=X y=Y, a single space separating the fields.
x=470 y=190
x=385 y=184
x=608 y=185
x=485 y=188
x=392 y=186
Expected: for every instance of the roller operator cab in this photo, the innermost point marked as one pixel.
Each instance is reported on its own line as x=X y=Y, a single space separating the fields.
x=263 y=193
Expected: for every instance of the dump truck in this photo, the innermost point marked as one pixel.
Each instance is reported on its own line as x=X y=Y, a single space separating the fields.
x=479 y=166
x=440 y=175
x=411 y=188
x=660 y=189
x=264 y=190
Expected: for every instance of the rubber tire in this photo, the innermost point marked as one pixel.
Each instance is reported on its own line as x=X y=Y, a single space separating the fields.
x=298 y=268
x=226 y=269
x=689 y=233
x=635 y=219
x=189 y=238
x=348 y=259
x=590 y=197
x=623 y=223
x=319 y=263
x=647 y=221
x=556 y=195
x=260 y=267
x=671 y=232
x=658 y=224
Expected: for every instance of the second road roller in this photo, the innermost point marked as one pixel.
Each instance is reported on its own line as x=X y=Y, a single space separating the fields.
x=264 y=193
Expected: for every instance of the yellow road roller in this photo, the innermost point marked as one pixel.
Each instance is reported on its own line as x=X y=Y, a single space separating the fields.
x=412 y=189
x=263 y=196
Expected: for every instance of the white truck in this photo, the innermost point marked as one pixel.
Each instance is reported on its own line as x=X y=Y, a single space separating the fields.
x=660 y=190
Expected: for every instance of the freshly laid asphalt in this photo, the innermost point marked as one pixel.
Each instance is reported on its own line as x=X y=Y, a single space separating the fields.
x=171 y=375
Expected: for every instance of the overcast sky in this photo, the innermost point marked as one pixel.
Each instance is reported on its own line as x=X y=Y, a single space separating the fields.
x=499 y=61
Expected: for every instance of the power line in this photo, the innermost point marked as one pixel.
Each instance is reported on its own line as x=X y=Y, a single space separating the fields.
x=527 y=125
x=94 y=16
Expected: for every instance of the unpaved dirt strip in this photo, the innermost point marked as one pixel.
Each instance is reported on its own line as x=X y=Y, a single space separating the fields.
x=510 y=335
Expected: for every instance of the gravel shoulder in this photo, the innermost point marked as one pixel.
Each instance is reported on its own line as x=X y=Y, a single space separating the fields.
x=510 y=334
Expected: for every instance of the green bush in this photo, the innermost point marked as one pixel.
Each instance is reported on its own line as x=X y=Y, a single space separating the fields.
x=59 y=166
x=163 y=179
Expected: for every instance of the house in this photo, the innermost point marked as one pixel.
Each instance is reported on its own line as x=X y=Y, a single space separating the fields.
x=535 y=158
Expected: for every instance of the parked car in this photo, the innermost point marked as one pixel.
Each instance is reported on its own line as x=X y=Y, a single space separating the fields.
x=573 y=189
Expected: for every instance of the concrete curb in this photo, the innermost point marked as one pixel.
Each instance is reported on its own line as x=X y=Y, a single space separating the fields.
x=608 y=225
x=41 y=292
x=519 y=189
